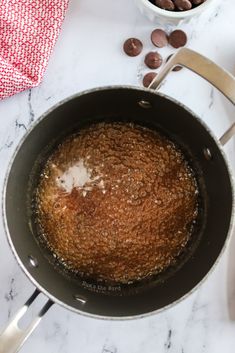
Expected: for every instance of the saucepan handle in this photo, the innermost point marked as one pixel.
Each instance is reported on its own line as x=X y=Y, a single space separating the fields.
x=205 y=68
x=12 y=338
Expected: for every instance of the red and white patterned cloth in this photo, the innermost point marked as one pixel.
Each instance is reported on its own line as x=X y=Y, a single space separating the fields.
x=28 y=32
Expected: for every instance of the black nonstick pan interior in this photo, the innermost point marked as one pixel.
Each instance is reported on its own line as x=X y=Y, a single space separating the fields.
x=116 y=288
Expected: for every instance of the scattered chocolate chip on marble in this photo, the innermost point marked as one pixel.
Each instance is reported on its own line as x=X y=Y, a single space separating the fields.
x=153 y=60
x=165 y=4
x=159 y=38
x=148 y=78
x=132 y=46
x=176 y=68
x=177 y=38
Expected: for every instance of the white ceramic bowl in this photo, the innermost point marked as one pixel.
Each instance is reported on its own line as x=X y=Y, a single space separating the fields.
x=168 y=18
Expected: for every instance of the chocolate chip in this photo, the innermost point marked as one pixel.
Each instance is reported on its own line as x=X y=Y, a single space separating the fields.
x=159 y=38
x=183 y=5
x=177 y=38
x=153 y=60
x=177 y=5
x=165 y=4
x=197 y=2
x=148 y=78
x=176 y=68
x=132 y=47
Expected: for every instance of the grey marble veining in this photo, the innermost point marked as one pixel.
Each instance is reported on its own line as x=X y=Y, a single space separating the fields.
x=89 y=54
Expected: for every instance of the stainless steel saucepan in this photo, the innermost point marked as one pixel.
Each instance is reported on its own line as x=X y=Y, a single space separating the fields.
x=155 y=110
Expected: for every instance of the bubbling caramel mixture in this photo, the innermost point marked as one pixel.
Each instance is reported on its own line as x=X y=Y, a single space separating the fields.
x=116 y=202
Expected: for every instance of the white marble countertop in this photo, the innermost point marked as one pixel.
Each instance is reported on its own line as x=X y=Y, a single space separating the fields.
x=88 y=54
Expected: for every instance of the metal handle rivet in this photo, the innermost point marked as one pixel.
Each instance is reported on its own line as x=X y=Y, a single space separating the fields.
x=207 y=154
x=145 y=104
x=33 y=262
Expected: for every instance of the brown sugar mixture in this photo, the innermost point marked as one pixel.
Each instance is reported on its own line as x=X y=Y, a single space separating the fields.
x=117 y=202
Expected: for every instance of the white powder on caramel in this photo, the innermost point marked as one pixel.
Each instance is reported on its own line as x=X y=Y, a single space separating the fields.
x=79 y=176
